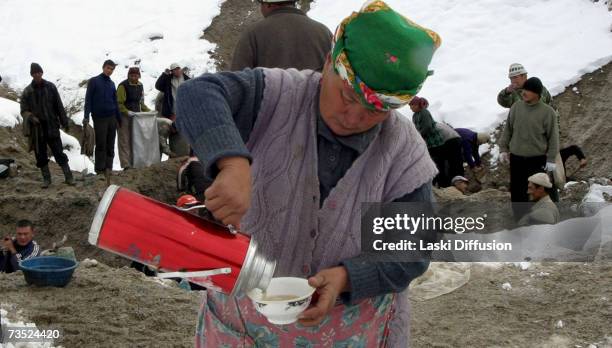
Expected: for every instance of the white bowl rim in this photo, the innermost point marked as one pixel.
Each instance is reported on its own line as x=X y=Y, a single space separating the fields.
x=307 y=295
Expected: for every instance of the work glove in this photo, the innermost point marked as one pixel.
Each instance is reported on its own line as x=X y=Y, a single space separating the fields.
x=550 y=166
x=504 y=158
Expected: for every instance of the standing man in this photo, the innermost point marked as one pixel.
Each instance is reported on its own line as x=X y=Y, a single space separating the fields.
x=530 y=141
x=22 y=247
x=511 y=94
x=101 y=104
x=43 y=114
x=168 y=83
x=285 y=38
x=293 y=154
x=130 y=97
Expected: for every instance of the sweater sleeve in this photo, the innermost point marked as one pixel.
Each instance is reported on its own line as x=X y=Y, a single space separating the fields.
x=89 y=97
x=162 y=82
x=121 y=98
x=370 y=279
x=505 y=99
x=216 y=112
x=553 y=137
x=504 y=143
x=468 y=152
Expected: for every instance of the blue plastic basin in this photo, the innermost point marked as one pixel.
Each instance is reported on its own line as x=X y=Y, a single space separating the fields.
x=48 y=270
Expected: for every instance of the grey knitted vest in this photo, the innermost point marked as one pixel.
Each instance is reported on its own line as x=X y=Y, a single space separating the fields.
x=284 y=215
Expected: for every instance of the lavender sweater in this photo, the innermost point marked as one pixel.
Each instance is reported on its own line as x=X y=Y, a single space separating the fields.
x=219 y=113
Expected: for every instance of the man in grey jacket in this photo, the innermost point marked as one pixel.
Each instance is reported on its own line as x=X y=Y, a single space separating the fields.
x=544 y=211
x=530 y=141
x=285 y=38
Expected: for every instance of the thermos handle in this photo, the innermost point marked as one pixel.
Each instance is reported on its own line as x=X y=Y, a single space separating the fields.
x=230 y=227
x=197 y=274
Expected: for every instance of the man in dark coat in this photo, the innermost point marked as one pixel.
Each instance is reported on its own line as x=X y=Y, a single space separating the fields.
x=44 y=113
x=285 y=38
x=168 y=83
x=101 y=104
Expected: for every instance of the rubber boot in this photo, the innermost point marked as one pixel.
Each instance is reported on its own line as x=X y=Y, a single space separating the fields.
x=107 y=175
x=46 y=174
x=69 y=180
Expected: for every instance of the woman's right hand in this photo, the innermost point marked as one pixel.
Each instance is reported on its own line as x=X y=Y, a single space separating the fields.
x=229 y=196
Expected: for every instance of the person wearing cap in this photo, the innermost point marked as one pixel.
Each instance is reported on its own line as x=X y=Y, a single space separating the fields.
x=167 y=83
x=470 y=141
x=458 y=188
x=530 y=141
x=101 y=105
x=130 y=97
x=544 y=211
x=285 y=38
x=511 y=94
x=293 y=154
x=43 y=113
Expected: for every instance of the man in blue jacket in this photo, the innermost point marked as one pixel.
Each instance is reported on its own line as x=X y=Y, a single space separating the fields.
x=101 y=104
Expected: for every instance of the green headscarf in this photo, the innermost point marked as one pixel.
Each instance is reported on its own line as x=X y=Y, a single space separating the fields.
x=383 y=55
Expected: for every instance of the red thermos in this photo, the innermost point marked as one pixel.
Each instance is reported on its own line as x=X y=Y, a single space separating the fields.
x=169 y=239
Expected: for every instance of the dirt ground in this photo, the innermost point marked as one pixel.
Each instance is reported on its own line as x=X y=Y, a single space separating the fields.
x=112 y=306
x=483 y=314
x=106 y=307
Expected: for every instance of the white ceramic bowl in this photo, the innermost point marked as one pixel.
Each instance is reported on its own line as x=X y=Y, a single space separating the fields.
x=284 y=300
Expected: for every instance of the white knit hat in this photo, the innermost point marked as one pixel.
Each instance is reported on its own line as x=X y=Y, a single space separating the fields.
x=458 y=178
x=541 y=179
x=516 y=69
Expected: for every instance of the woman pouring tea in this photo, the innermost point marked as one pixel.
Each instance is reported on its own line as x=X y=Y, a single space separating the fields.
x=293 y=154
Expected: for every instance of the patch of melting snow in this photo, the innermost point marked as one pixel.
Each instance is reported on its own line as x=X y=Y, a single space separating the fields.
x=507 y=286
x=559 y=324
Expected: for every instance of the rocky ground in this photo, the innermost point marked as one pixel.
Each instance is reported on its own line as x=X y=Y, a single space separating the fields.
x=114 y=306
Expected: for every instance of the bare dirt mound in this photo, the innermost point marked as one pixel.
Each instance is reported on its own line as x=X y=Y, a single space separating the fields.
x=586 y=120
x=106 y=307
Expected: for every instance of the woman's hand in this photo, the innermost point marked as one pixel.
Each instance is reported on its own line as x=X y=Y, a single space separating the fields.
x=330 y=283
x=229 y=196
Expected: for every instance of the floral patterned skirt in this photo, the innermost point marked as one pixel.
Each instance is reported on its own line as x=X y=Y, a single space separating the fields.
x=225 y=321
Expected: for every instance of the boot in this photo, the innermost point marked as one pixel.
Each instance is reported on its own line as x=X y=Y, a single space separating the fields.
x=46 y=174
x=69 y=180
x=107 y=175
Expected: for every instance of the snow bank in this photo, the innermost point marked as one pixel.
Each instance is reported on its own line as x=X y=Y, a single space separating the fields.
x=557 y=41
x=9 y=113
